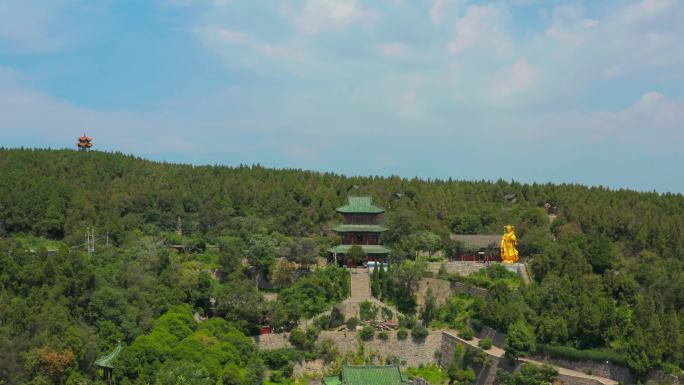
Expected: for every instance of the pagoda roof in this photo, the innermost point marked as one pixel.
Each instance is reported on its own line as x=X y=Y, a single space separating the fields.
x=108 y=360
x=360 y=205
x=360 y=228
x=370 y=375
x=368 y=249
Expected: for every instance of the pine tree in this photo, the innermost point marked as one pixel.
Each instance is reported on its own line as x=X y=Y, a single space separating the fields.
x=375 y=282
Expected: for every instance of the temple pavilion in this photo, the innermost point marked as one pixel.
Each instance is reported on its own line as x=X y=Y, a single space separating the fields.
x=361 y=228
x=106 y=363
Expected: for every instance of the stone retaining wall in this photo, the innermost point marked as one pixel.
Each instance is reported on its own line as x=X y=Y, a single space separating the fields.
x=601 y=369
x=443 y=289
x=462 y=268
x=486 y=373
x=272 y=341
x=411 y=352
x=497 y=338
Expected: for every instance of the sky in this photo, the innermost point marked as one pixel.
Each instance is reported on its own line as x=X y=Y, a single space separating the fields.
x=588 y=92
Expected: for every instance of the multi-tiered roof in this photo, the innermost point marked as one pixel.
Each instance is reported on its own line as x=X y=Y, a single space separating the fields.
x=360 y=227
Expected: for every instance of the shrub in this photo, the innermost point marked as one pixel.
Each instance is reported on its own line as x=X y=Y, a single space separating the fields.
x=352 y=323
x=304 y=340
x=476 y=324
x=466 y=333
x=387 y=313
x=367 y=333
x=327 y=350
x=367 y=311
x=277 y=359
x=573 y=354
x=520 y=340
x=419 y=331
x=383 y=335
x=407 y=322
x=442 y=273
x=336 y=317
x=322 y=322
x=402 y=334
x=298 y=338
x=485 y=343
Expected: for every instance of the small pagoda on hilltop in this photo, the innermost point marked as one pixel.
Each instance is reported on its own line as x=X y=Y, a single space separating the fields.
x=360 y=228
x=84 y=143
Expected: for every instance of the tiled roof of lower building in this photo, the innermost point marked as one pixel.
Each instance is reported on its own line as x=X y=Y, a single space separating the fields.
x=360 y=228
x=372 y=375
x=368 y=249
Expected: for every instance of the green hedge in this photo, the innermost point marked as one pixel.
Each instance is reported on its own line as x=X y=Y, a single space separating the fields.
x=570 y=353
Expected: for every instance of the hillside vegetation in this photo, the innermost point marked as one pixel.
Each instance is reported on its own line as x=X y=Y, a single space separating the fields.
x=608 y=272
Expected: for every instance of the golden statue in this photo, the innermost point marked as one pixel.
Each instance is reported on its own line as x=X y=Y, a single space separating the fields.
x=509 y=254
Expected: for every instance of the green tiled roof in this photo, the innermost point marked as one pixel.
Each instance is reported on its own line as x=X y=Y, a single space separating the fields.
x=372 y=375
x=360 y=205
x=368 y=249
x=108 y=360
x=360 y=228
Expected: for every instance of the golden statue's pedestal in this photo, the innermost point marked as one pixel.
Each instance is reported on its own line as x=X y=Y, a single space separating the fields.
x=513 y=267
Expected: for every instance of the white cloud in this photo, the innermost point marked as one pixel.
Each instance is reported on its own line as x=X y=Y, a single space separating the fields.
x=30 y=25
x=393 y=49
x=440 y=9
x=518 y=78
x=570 y=25
x=318 y=15
x=482 y=29
x=218 y=37
x=652 y=123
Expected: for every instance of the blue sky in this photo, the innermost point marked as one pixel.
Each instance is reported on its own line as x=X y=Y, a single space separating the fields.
x=587 y=92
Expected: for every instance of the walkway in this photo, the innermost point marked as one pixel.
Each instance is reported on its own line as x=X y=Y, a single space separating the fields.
x=498 y=353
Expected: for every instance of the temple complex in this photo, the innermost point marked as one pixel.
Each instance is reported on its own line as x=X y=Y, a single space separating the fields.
x=360 y=228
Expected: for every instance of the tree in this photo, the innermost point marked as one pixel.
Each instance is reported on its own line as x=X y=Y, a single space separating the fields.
x=356 y=254
x=240 y=303
x=519 y=340
x=405 y=278
x=460 y=370
x=261 y=254
x=429 y=308
x=303 y=251
x=376 y=285
x=429 y=241
x=183 y=373
x=283 y=275
x=529 y=374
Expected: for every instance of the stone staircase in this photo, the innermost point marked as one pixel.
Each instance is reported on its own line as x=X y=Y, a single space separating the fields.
x=360 y=286
x=361 y=292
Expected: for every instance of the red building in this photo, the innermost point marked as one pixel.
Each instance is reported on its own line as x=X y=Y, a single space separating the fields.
x=476 y=247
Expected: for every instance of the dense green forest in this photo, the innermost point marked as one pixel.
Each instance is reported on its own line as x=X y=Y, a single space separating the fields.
x=608 y=271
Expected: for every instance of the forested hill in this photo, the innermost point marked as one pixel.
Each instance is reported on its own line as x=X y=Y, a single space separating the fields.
x=608 y=271
x=58 y=193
